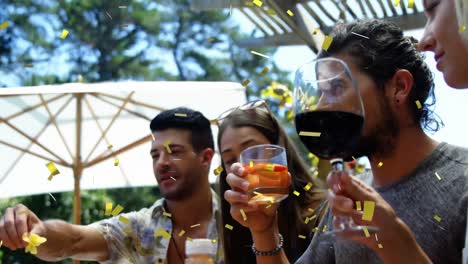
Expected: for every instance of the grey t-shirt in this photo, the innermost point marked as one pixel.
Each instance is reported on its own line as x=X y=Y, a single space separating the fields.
x=416 y=198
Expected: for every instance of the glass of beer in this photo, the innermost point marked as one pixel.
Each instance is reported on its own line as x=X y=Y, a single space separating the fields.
x=266 y=169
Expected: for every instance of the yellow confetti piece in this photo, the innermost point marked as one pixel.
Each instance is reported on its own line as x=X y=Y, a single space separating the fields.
x=380 y=164
x=316 y=30
x=244 y=216
x=110 y=147
x=250 y=4
x=462 y=29
x=117 y=210
x=181 y=233
x=315 y=229
x=327 y=42
x=308 y=186
x=230 y=227
x=245 y=83
x=213 y=241
x=396 y=3
x=172 y=178
x=163 y=233
x=376 y=238
x=366 y=231
x=438 y=176
x=52 y=169
x=310 y=210
x=271 y=12
x=4 y=25
x=195 y=225
x=264 y=71
x=312 y=217
x=368 y=213
x=410 y=3
x=296 y=193
x=437 y=218
x=306 y=221
x=380 y=245
x=418 y=104
x=290 y=13
x=251 y=164
x=116 y=162
x=127 y=230
x=180 y=114
x=259 y=54
x=258 y=3
x=218 y=170
x=301 y=236
x=64 y=34
x=167 y=214
x=152 y=137
x=189 y=239
x=309 y=134
x=358 y=205
x=108 y=209
x=166 y=145
x=33 y=241
x=324 y=229
x=124 y=220
x=1 y=243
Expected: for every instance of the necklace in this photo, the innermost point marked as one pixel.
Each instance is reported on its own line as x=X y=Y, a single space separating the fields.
x=181 y=256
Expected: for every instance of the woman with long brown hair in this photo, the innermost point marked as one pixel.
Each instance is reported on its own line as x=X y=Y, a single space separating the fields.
x=254 y=124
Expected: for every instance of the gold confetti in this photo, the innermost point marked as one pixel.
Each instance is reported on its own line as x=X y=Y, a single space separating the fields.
x=163 y=233
x=264 y=71
x=117 y=210
x=251 y=164
x=366 y=232
x=271 y=12
x=172 y=178
x=244 y=216
x=180 y=114
x=250 y=4
x=181 y=233
x=245 y=83
x=306 y=221
x=152 y=137
x=108 y=15
x=316 y=30
x=127 y=230
x=301 y=236
x=462 y=29
x=1 y=243
x=218 y=170
x=167 y=214
x=110 y=147
x=195 y=225
x=290 y=13
x=380 y=245
x=396 y=3
x=437 y=218
x=259 y=54
x=310 y=210
x=327 y=42
x=124 y=220
x=309 y=134
x=308 y=186
x=4 y=25
x=324 y=229
x=438 y=176
x=166 y=145
x=376 y=238
x=116 y=162
x=410 y=3
x=258 y=3
x=380 y=164
x=418 y=104
x=358 y=205
x=122 y=6
x=362 y=36
x=230 y=227
x=52 y=197
x=33 y=241
x=64 y=34
x=312 y=217
x=368 y=213
x=108 y=209
x=213 y=241
x=189 y=238
x=52 y=169
x=296 y=193
x=315 y=229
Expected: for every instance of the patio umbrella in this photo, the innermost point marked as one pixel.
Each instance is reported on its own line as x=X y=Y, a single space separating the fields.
x=96 y=135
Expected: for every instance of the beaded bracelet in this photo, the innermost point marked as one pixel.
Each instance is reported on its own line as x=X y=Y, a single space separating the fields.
x=273 y=252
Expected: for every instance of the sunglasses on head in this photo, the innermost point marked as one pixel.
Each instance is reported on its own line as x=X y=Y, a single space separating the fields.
x=261 y=104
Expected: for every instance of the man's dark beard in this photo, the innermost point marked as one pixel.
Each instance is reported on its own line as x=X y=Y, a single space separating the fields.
x=381 y=139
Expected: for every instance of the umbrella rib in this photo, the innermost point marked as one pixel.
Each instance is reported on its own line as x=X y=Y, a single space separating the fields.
x=133 y=102
x=52 y=119
x=97 y=96
x=21 y=155
x=35 y=154
x=32 y=140
x=26 y=110
x=110 y=125
x=117 y=152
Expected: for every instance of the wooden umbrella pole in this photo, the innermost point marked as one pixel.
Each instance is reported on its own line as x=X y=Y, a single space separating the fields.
x=78 y=166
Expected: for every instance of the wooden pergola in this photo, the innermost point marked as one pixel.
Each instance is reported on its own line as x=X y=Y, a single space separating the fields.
x=309 y=20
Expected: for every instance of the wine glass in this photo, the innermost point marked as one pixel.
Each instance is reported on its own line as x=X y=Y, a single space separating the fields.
x=329 y=117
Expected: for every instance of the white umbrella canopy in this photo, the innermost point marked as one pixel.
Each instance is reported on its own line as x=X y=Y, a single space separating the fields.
x=73 y=125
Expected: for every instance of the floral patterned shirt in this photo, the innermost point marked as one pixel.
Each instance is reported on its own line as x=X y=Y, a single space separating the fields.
x=144 y=236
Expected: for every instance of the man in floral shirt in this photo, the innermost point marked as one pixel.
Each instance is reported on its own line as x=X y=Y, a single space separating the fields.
x=182 y=153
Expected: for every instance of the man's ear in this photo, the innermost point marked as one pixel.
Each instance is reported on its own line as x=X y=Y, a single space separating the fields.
x=401 y=83
x=206 y=156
